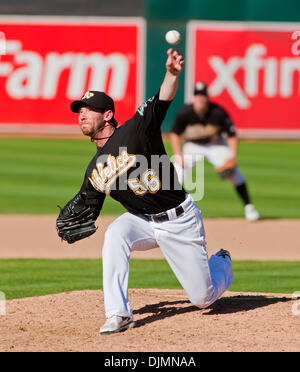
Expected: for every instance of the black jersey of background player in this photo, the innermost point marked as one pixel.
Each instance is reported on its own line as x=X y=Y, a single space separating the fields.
x=133 y=167
x=204 y=128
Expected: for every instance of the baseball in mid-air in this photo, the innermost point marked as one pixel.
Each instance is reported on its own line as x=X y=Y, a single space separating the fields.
x=172 y=37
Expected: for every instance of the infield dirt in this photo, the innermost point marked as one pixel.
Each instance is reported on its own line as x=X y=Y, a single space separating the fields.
x=165 y=321
x=275 y=239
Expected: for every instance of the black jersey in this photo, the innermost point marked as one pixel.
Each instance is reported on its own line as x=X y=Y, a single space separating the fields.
x=204 y=128
x=133 y=167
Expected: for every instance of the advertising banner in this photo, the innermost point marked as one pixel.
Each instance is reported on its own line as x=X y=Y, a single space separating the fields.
x=252 y=69
x=46 y=62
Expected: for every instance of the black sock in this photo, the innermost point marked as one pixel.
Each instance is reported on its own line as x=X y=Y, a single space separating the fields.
x=243 y=193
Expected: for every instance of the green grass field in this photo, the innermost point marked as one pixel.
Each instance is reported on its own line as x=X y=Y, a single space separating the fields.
x=39 y=174
x=36 y=277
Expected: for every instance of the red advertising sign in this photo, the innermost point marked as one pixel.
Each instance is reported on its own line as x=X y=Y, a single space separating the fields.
x=252 y=70
x=46 y=62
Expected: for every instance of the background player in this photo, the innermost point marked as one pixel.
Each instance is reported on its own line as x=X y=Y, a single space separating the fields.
x=160 y=213
x=209 y=132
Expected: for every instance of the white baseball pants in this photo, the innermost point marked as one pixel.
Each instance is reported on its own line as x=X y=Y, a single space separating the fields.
x=217 y=153
x=182 y=241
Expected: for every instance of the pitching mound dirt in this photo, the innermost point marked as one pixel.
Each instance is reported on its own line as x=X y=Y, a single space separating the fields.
x=165 y=321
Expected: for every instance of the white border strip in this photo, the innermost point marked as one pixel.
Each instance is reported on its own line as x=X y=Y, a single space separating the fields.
x=244 y=25
x=141 y=50
x=68 y=20
x=190 y=58
x=292 y=134
x=40 y=128
x=63 y=129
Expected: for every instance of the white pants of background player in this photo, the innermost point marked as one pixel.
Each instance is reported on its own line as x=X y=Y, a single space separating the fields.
x=217 y=153
x=182 y=241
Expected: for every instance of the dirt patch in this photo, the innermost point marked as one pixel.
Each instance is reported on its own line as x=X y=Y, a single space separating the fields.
x=36 y=237
x=165 y=321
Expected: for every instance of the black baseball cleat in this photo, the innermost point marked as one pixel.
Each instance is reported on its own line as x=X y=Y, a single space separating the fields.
x=223 y=253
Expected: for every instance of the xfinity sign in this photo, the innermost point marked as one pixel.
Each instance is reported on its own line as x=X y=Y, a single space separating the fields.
x=250 y=69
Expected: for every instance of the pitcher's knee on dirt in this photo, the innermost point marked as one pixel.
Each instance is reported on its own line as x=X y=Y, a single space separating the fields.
x=204 y=299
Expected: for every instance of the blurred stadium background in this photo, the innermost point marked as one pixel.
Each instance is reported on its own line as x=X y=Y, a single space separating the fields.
x=52 y=52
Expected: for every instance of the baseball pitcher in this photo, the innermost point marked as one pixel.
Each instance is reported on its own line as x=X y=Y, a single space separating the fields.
x=132 y=167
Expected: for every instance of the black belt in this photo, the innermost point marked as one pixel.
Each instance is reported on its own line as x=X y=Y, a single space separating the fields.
x=201 y=141
x=161 y=217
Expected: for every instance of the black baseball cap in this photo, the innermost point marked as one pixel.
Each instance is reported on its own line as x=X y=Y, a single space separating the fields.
x=96 y=99
x=200 y=88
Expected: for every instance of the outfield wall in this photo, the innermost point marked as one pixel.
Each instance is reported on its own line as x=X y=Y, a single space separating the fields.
x=251 y=66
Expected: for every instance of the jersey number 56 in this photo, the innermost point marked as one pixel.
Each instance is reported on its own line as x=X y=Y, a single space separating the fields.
x=149 y=183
